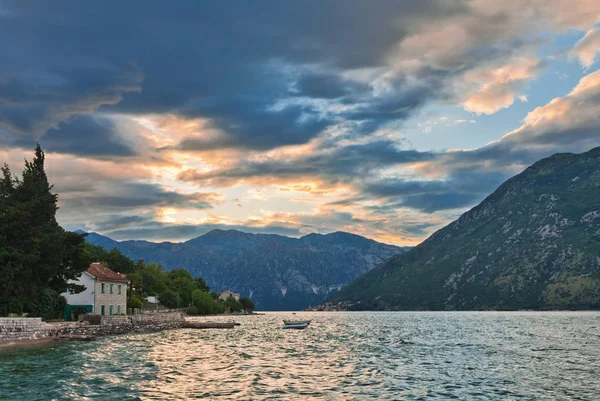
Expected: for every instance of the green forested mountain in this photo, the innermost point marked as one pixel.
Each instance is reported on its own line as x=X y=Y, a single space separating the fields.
x=533 y=244
x=276 y=272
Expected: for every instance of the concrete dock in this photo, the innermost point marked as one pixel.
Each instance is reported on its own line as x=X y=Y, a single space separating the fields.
x=191 y=324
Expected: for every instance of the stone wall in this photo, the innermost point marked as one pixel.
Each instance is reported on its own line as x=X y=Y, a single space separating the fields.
x=126 y=324
x=114 y=319
x=17 y=329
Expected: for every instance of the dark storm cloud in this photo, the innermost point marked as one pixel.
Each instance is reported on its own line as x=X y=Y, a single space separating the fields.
x=39 y=97
x=223 y=61
x=326 y=86
x=120 y=195
x=458 y=190
x=431 y=203
x=116 y=222
x=85 y=136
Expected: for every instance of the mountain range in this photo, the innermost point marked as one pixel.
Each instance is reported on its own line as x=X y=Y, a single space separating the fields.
x=532 y=244
x=276 y=272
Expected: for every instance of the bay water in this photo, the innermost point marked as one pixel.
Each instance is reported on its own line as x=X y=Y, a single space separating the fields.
x=340 y=356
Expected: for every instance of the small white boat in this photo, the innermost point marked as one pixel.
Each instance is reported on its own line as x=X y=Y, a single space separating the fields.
x=296 y=326
x=296 y=322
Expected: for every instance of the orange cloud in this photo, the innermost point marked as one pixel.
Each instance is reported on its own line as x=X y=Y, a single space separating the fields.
x=587 y=48
x=497 y=87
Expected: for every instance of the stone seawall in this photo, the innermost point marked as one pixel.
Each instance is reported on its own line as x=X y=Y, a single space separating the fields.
x=14 y=330
x=124 y=324
x=19 y=329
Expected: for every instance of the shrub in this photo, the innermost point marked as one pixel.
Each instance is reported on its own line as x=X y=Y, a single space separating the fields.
x=80 y=310
x=134 y=302
x=17 y=305
x=192 y=310
x=220 y=307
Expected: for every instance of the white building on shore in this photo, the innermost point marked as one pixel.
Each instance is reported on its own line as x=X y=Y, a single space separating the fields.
x=226 y=294
x=105 y=292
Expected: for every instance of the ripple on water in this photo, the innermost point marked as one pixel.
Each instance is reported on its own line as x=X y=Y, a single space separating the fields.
x=341 y=356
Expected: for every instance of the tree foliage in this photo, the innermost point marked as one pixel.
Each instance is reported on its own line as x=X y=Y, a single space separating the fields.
x=37 y=257
x=234 y=304
x=247 y=304
x=113 y=259
x=134 y=301
x=203 y=302
x=169 y=298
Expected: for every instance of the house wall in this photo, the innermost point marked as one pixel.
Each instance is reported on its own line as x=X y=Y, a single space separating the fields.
x=83 y=298
x=108 y=299
x=226 y=294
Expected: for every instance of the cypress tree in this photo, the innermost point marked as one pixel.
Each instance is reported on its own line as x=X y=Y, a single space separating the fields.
x=37 y=257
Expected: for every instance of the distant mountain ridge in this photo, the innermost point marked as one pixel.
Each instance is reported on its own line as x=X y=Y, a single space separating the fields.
x=277 y=272
x=532 y=244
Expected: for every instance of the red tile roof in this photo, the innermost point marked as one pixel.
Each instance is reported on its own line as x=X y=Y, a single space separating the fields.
x=98 y=270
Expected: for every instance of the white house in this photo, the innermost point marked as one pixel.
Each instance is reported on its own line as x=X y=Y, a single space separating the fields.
x=226 y=294
x=105 y=292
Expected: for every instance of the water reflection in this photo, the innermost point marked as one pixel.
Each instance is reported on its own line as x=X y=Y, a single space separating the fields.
x=341 y=356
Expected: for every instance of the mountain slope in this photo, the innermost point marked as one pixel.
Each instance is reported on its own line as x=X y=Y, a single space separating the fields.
x=533 y=244
x=277 y=272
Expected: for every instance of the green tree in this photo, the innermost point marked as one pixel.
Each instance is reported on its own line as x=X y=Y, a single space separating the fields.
x=203 y=302
x=247 y=304
x=133 y=301
x=36 y=254
x=154 y=279
x=169 y=298
x=119 y=262
x=182 y=282
x=201 y=284
x=113 y=259
x=234 y=304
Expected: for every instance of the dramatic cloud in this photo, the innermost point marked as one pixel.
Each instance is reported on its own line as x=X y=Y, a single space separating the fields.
x=333 y=166
x=289 y=116
x=568 y=123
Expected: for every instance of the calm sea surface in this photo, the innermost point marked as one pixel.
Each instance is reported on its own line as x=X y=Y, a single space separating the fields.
x=341 y=356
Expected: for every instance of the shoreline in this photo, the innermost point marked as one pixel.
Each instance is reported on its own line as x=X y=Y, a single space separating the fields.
x=30 y=342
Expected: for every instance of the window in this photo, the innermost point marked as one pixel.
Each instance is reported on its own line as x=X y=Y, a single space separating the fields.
x=111 y=288
x=103 y=309
x=119 y=307
x=102 y=289
x=110 y=310
x=119 y=289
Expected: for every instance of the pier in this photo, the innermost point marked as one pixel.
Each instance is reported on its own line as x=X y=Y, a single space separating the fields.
x=190 y=324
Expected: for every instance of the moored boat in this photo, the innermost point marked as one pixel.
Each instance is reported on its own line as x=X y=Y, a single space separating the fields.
x=296 y=322
x=296 y=326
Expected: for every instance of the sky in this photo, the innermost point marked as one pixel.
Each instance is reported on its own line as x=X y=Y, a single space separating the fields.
x=387 y=119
